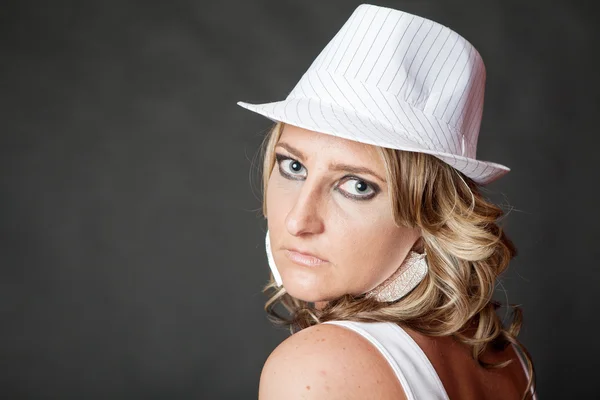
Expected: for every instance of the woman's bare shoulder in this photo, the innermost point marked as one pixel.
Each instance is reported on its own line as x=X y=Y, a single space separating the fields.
x=327 y=361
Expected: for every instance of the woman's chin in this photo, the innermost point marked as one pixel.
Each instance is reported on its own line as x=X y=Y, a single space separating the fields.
x=299 y=287
x=310 y=284
x=309 y=294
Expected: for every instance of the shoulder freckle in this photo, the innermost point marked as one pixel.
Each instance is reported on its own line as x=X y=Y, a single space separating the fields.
x=318 y=360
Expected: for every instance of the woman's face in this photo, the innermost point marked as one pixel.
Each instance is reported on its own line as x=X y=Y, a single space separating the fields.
x=342 y=216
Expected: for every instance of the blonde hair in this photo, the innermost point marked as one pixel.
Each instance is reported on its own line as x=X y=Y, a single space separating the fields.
x=466 y=251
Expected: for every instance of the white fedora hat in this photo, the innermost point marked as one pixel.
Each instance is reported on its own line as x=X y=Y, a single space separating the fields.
x=396 y=80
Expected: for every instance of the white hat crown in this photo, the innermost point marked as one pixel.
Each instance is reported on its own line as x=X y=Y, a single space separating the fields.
x=397 y=80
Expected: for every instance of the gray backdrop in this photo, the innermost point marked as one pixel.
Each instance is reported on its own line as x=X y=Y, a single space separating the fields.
x=132 y=250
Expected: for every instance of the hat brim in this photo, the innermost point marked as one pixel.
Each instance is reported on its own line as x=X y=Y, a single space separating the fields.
x=334 y=120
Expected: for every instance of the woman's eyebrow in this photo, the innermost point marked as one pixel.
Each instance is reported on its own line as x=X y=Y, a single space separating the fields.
x=291 y=149
x=334 y=166
x=354 y=169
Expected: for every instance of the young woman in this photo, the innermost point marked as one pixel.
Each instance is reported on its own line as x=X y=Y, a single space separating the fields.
x=382 y=248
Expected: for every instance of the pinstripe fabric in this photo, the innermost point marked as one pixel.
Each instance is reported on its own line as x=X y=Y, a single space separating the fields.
x=397 y=80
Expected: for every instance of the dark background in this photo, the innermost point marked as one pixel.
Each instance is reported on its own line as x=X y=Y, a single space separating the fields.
x=132 y=255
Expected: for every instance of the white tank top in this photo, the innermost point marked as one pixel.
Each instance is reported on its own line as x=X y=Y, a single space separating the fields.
x=410 y=364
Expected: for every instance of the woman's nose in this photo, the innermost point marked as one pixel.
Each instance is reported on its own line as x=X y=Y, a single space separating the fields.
x=305 y=215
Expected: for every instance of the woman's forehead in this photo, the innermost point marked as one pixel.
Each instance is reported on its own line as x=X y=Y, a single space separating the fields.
x=312 y=144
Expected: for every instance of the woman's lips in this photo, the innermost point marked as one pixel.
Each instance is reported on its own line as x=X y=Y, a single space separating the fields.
x=303 y=259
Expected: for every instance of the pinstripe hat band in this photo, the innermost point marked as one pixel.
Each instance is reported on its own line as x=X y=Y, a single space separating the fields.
x=397 y=80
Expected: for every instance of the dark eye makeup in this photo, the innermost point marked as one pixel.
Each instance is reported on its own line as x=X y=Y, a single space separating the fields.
x=291 y=176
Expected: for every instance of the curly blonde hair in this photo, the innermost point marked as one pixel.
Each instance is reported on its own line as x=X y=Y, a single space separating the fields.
x=466 y=251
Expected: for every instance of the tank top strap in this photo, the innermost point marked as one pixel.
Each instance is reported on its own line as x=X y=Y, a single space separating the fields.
x=410 y=364
x=524 y=365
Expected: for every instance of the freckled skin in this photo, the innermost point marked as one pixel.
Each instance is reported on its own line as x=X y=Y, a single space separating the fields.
x=358 y=238
x=345 y=366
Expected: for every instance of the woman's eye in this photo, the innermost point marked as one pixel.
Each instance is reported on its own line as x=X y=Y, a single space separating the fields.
x=351 y=187
x=358 y=189
x=289 y=166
